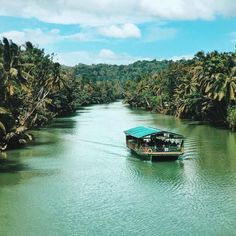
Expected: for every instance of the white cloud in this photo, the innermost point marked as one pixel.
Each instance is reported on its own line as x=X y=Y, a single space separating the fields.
x=123 y=31
x=181 y=9
x=36 y=36
x=107 y=54
x=43 y=38
x=103 y=56
x=108 y=12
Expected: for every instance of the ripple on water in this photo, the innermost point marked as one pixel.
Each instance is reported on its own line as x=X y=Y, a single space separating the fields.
x=191 y=148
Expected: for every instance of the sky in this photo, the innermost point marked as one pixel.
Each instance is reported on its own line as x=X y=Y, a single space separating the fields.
x=120 y=31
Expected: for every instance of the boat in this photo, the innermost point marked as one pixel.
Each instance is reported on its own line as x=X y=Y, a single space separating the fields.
x=154 y=144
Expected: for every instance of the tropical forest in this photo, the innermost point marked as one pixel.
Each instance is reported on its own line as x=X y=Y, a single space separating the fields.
x=35 y=89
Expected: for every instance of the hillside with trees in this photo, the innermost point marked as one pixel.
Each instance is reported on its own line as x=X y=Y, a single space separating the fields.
x=119 y=72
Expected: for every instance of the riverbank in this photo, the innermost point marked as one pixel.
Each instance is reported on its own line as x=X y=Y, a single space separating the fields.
x=192 y=120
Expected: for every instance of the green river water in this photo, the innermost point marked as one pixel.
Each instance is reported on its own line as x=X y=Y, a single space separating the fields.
x=78 y=178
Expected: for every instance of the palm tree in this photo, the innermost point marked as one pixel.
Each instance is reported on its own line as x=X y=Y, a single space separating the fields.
x=222 y=86
x=13 y=75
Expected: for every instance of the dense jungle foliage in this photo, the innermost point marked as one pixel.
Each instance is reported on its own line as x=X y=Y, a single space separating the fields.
x=203 y=88
x=34 y=89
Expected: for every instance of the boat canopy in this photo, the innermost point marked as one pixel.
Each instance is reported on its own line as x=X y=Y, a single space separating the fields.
x=143 y=131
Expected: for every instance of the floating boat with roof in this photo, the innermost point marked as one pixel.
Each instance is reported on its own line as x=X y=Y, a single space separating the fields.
x=155 y=144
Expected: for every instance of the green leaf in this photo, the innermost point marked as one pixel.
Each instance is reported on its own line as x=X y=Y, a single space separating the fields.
x=4 y=111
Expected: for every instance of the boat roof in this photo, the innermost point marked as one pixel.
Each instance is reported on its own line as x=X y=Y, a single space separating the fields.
x=143 y=131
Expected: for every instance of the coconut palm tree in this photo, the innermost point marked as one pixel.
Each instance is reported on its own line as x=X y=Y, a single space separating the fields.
x=13 y=75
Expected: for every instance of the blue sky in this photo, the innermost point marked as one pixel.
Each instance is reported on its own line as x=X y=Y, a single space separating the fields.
x=121 y=32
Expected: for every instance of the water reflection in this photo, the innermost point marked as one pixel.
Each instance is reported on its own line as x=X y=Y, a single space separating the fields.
x=10 y=166
x=63 y=123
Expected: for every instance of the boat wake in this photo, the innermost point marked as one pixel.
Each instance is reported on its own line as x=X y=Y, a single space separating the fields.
x=101 y=143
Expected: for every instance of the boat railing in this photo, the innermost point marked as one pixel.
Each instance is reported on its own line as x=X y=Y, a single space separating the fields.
x=151 y=149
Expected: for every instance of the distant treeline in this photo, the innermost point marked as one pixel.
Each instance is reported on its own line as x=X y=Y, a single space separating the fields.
x=120 y=72
x=97 y=91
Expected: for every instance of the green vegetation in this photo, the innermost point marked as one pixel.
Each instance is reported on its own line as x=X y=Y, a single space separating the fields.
x=104 y=83
x=98 y=91
x=122 y=72
x=231 y=118
x=203 y=88
x=34 y=89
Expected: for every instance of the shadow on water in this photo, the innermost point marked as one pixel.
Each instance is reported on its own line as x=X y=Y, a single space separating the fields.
x=12 y=161
x=10 y=166
x=51 y=134
x=13 y=171
x=63 y=123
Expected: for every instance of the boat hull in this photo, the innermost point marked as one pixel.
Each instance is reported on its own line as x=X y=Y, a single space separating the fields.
x=158 y=156
x=164 y=158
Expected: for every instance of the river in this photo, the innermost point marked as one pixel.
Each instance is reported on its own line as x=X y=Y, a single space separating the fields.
x=78 y=178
